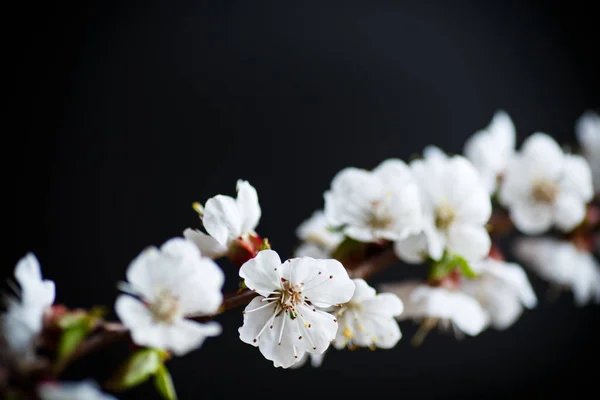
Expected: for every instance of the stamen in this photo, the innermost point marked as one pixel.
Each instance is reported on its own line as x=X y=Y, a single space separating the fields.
x=268 y=323
x=281 y=331
x=258 y=308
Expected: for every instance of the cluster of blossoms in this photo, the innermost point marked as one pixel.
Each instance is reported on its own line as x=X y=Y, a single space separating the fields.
x=439 y=210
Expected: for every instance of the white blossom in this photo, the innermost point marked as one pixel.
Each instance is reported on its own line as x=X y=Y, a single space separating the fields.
x=370 y=206
x=226 y=220
x=502 y=289
x=439 y=306
x=587 y=129
x=563 y=264
x=171 y=283
x=368 y=319
x=286 y=319
x=23 y=320
x=84 y=390
x=317 y=239
x=490 y=149
x=543 y=186
x=455 y=205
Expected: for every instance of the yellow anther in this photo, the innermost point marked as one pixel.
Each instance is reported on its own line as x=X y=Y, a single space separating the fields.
x=348 y=332
x=198 y=208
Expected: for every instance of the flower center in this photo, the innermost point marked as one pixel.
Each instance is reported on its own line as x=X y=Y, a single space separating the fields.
x=165 y=307
x=544 y=191
x=444 y=215
x=380 y=217
x=290 y=297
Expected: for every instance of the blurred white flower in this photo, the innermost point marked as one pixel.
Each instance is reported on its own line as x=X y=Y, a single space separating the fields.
x=587 y=129
x=172 y=282
x=491 y=148
x=455 y=205
x=286 y=319
x=315 y=360
x=367 y=320
x=543 y=186
x=439 y=306
x=369 y=206
x=562 y=264
x=23 y=320
x=226 y=220
x=84 y=390
x=502 y=289
x=318 y=241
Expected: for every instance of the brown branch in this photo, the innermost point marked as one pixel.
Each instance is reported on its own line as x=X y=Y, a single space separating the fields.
x=373 y=265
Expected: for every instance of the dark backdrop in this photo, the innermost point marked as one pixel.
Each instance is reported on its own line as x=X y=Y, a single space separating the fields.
x=125 y=113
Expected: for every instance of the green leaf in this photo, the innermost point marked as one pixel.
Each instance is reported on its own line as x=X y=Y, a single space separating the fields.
x=138 y=367
x=72 y=319
x=70 y=339
x=164 y=383
x=349 y=248
x=465 y=268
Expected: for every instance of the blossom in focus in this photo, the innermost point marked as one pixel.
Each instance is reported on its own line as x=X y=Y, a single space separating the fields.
x=287 y=318
x=587 y=129
x=84 y=390
x=369 y=206
x=229 y=222
x=171 y=283
x=543 y=186
x=318 y=240
x=502 y=289
x=316 y=360
x=368 y=319
x=23 y=320
x=439 y=306
x=455 y=205
x=490 y=149
x=563 y=264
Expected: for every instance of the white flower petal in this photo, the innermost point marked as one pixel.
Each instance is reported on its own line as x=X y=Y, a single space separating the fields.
x=531 y=218
x=209 y=247
x=332 y=286
x=309 y=249
x=262 y=273
x=542 y=154
x=317 y=329
x=569 y=211
x=577 y=178
x=249 y=208
x=471 y=242
x=255 y=318
x=222 y=219
x=34 y=289
x=412 y=249
x=316 y=230
x=136 y=316
x=184 y=335
x=363 y=291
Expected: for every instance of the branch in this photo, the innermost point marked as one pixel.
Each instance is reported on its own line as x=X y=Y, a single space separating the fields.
x=109 y=333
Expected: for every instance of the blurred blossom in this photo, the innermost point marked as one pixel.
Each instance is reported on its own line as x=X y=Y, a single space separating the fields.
x=587 y=129
x=227 y=221
x=367 y=320
x=455 y=206
x=502 y=289
x=171 y=283
x=543 y=187
x=562 y=264
x=370 y=206
x=85 y=390
x=23 y=320
x=490 y=149
x=318 y=239
x=287 y=319
x=439 y=306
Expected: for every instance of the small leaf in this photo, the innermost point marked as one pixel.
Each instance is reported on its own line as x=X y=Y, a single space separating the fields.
x=138 y=367
x=266 y=245
x=465 y=268
x=349 y=249
x=70 y=339
x=72 y=319
x=164 y=383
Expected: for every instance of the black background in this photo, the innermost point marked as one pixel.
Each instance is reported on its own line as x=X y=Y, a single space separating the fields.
x=125 y=113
